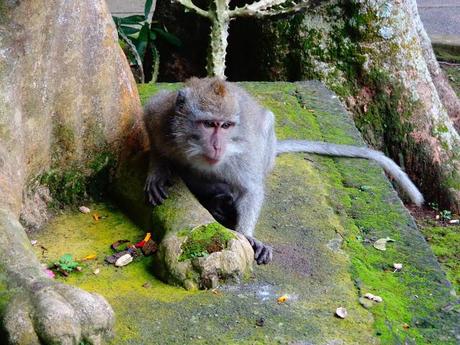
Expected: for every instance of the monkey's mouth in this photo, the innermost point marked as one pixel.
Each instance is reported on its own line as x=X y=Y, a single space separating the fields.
x=211 y=161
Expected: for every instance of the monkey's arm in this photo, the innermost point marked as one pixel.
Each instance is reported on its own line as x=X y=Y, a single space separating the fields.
x=328 y=149
x=158 y=179
x=248 y=208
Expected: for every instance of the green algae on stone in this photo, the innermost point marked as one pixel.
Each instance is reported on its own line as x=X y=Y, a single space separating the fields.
x=445 y=242
x=205 y=240
x=73 y=184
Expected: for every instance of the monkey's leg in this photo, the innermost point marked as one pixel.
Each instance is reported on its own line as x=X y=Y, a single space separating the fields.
x=158 y=179
x=248 y=208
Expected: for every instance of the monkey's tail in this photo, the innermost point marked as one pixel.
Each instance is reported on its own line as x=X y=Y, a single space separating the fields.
x=338 y=150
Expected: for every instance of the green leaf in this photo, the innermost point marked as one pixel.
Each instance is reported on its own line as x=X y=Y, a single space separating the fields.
x=147 y=8
x=135 y=19
x=129 y=30
x=168 y=37
x=142 y=41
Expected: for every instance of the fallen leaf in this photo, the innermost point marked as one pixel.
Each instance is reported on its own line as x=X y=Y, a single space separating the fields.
x=147 y=285
x=118 y=243
x=96 y=216
x=405 y=326
x=341 y=312
x=282 y=299
x=381 y=243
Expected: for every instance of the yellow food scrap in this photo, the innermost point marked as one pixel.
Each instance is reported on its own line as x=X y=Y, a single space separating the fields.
x=147 y=237
x=89 y=257
x=282 y=299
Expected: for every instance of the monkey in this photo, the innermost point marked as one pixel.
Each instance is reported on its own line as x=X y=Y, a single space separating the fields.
x=221 y=142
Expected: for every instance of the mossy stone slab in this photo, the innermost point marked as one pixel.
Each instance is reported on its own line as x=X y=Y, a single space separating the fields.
x=321 y=216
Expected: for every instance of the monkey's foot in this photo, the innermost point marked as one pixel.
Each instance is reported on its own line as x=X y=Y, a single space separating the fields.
x=263 y=253
x=54 y=313
x=155 y=188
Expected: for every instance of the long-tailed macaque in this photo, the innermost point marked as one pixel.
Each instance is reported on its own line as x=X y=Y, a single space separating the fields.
x=222 y=143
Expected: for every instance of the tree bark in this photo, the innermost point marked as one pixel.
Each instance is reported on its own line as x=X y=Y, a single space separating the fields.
x=68 y=102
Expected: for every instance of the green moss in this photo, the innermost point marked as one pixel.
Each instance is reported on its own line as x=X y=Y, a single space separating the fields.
x=445 y=242
x=205 y=240
x=71 y=185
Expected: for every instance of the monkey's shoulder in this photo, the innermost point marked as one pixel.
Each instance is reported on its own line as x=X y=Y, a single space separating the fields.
x=160 y=104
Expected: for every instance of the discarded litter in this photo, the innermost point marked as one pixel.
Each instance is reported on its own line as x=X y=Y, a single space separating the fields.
x=89 y=257
x=124 y=260
x=282 y=299
x=144 y=241
x=149 y=248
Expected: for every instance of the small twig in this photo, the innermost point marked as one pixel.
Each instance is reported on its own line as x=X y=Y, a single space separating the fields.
x=191 y=6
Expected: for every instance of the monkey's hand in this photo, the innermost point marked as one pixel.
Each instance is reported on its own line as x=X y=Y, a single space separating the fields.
x=263 y=253
x=156 y=186
x=53 y=313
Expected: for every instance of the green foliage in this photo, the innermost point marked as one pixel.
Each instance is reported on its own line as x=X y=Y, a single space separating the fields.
x=445 y=215
x=139 y=33
x=66 y=263
x=66 y=187
x=204 y=240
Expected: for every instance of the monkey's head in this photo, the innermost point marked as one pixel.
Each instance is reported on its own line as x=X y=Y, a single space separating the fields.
x=206 y=115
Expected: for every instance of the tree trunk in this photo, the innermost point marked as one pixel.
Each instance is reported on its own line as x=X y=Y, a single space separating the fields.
x=68 y=105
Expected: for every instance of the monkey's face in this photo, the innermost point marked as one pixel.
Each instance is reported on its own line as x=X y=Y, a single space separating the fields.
x=206 y=120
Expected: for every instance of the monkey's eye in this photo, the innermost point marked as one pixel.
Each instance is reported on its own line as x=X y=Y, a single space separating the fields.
x=227 y=125
x=208 y=124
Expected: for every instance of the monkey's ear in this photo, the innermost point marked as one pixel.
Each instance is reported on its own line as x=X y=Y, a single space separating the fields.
x=219 y=88
x=181 y=97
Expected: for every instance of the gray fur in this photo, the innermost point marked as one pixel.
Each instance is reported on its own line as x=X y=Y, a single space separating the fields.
x=172 y=120
x=329 y=149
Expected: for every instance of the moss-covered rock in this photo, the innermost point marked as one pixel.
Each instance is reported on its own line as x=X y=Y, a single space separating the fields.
x=321 y=215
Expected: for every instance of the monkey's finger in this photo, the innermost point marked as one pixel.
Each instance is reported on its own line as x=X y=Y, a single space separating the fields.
x=162 y=191
x=157 y=196
x=265 y=256
x=258 y=250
